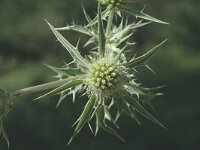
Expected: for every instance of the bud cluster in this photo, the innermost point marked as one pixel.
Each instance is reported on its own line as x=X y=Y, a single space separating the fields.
x=111 y=2
x=103 y=75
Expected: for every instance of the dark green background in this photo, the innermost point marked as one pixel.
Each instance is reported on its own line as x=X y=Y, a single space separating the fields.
x=26 y=43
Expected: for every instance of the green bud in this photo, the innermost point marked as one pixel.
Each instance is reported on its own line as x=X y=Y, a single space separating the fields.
x=101 y=74
x=98 y=79
x=103 y=81
x=113 y=74
x=103 y=68
x=103 y=87
x=111 y=69
x=97 y=84
x=109 y=84
x=96 y=73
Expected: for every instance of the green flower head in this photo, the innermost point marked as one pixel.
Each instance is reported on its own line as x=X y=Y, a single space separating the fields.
x=112 y=3
x=103 y=77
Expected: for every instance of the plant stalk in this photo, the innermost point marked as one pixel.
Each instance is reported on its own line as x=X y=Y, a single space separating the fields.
x=38 y=88
x=110 y=21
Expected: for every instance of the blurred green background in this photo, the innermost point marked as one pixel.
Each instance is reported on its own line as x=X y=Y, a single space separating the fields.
x=26 y=44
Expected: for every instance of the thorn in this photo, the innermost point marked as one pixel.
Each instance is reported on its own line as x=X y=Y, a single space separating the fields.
x=143 y=7
x=78 y=43
x=150 y=69
x=90 y=128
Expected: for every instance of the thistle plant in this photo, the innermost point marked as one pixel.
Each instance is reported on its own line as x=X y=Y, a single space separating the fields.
x=106 y=76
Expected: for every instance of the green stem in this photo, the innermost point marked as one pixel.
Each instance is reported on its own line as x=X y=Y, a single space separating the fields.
x=110 y=21
x=38 y=88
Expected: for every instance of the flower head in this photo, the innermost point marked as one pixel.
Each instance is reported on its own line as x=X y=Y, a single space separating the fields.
x=106 y=75
x=111 y=3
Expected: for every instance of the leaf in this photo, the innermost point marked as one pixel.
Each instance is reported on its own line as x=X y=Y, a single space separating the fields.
x=134 y=90
x=139 y=24
x=107 y=114
x=141 y=60
x=121 y=35
x=104 y=14
x=70 y=48
x=112 y=131
x=64 y=94
x=62 y=88
x=93 y=28
x=66 y=71
x=123 y=41
x=120 y=108
x=143 y=111
x=123 y=106
x=87 y=17
x=101 y=35
x=99 y=118
x=100 y=123
x=76 y=28
x=92 y=40
x=140 y=14
x=85 y=116
x=123 y=31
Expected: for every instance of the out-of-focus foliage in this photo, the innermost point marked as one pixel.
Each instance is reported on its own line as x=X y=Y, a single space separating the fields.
x=26 y=43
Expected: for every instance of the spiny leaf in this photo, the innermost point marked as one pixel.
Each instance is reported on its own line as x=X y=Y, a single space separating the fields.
x=93 y=28
x=121 y=35
x=100 y=123
x=142 y=15
x=85 y=116
x=71 y=71
x=120 y=108
x=123 y=31
x=154 y=89
x=92 y=40
x=70 y=48
x=99 y=116
x=64 y=94
x=107 y=114
x=112 y=131
x=62 y=88
x=139 y=24
x=66 y=71
x=101 y=35
x=56 y=70
x=141 y=60
x=134 y=90
x=76 y=28
x=123 y=106
x=87 y=17
x=143 y=111
x=104 y=14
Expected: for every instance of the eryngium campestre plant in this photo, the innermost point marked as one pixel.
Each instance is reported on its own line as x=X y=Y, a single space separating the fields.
x=106 y=76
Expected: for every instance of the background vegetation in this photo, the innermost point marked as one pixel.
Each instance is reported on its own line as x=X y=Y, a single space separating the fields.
x=26 y=43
